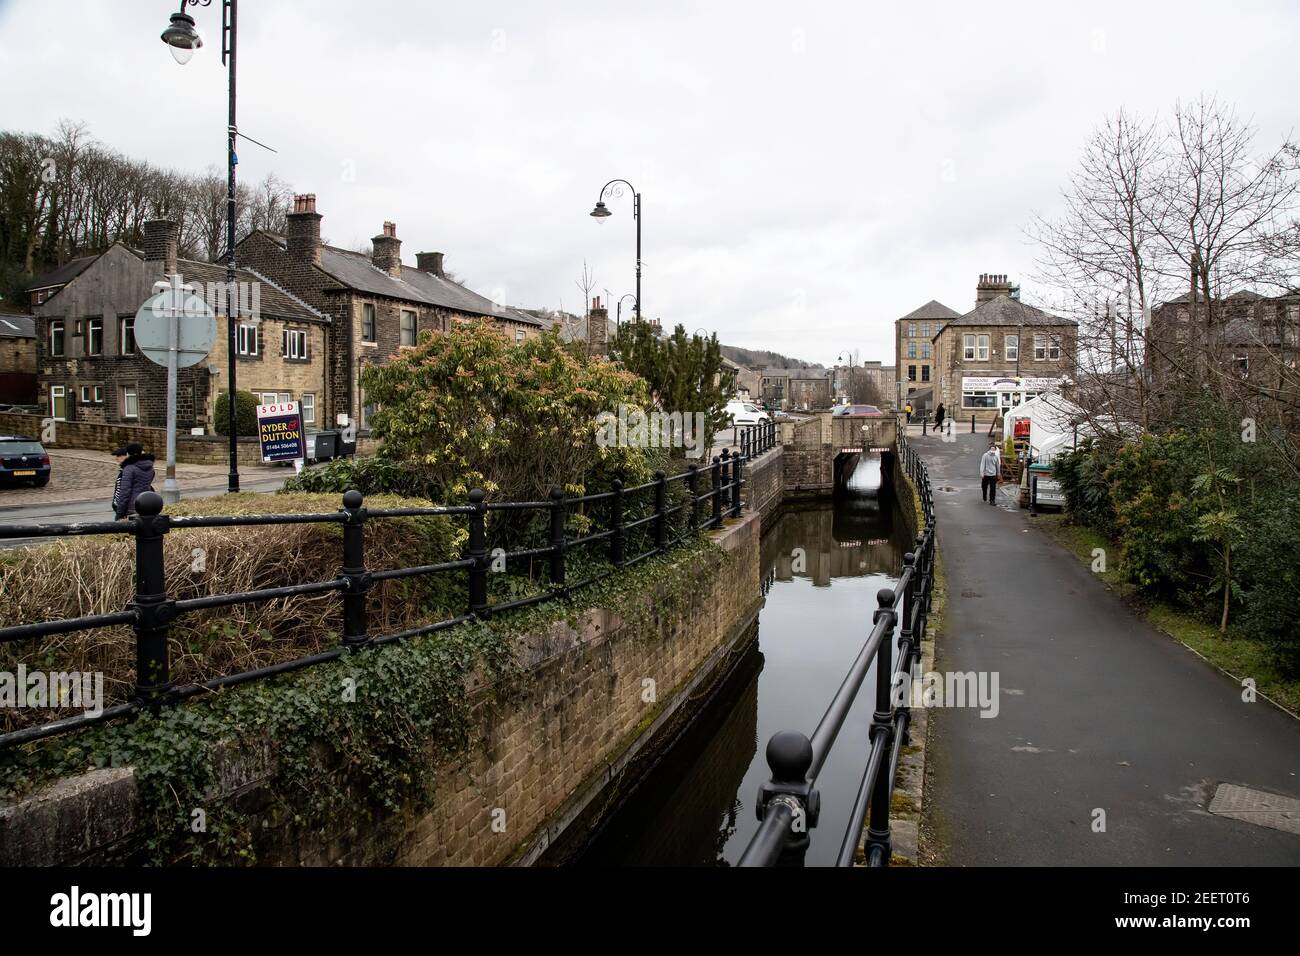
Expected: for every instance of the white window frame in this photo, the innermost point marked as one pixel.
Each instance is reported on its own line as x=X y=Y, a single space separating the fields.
x=1040 y=347
x=99 y=394
x=970 y=393
x=401 y=329
x=60 y=392
x=1011 y=347
x=85 y=394
x=982 y=348
x=925 y=350
x=368 y=309
x=1054 y=348
x=130 y=396
x=122 y=324
x=968 y=348
x=91 y=330
x=61 y=327
x=246 y=335
x=911 y=330
x=295 y=344
x=911 y=350
x=308 y=408
x=520 y=335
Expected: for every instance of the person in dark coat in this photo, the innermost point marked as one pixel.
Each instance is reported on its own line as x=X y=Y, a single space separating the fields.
x=134 y=477
x=938 y=416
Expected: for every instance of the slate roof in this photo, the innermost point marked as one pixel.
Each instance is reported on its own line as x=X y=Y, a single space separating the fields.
x=14 y=326
x=931 y=310
x=63 y=274
x=272 y=300
x=1004 y=310
x=355 y=270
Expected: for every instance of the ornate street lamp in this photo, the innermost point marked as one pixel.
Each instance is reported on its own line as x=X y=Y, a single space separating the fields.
x=182 y=40
x=614 y=189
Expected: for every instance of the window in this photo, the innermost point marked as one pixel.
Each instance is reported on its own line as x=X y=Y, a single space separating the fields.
x=1012 y=346
x=911 y=330
x=519 y=336
x=925 y=350
x=911 y=373
x=925 y=373
x=275 y=398
x=1242 y=362
x=295 y=344
x=925 y=330
x=94 y=336
x=308 y=408
x=99 y=394
x=85 y=394
x=979 y=399
x=968 y=347
x=56 y=337
x=982 y=350
x=246 y=339
x=1040 y=348
x=911 y=350
x=368 y=323
x=938 y=327
x=130 y=402
x=1054 y=348
x=126 y=336
x=408 y=327
x=58 y=403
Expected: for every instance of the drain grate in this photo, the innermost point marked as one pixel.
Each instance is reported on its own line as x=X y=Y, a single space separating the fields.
x=1256 y=806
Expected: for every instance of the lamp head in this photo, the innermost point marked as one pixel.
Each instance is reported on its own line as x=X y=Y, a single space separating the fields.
x=601 y=212
x=181 y=37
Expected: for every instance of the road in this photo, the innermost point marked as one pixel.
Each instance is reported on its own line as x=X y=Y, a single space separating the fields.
x=1099 y=711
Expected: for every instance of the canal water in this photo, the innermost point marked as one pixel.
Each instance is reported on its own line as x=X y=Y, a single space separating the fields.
x=822 y=565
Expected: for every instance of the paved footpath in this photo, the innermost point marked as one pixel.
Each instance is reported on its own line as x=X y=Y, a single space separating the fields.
x=1098 y=710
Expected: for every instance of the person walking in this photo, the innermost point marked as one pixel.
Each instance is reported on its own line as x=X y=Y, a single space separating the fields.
x=938 y=417
x=990 y=469
x=908 y=408
x=134 y=477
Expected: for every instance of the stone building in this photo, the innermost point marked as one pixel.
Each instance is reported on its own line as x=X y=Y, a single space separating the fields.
x=801 y=389
x=91 y=371
x=879 y=378
x=914 y=353
x=44 y=286
x=17 y=359
x=1001 y=353
x=376 y=305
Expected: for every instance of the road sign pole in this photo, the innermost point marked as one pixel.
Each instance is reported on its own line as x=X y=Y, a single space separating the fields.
x=171 y=491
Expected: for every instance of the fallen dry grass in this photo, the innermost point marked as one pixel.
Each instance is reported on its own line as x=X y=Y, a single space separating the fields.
x=86 y=576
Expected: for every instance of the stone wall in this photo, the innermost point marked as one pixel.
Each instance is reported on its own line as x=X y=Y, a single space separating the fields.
x=190 y=449
x=807 y=461
x=764 y=486
x=598 y=687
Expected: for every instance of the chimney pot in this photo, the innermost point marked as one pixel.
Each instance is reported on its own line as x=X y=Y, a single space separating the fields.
x=430 y=262
x=387 y=251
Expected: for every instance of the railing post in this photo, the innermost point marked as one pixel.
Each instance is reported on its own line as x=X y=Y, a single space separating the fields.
x=716 y=521
x=661 y=511
x=972 y=423
x=692 y=484
x=878 y=844
x=355 y=625
x=616 y=523
x=152 y=670
x=789 y=757
x=559 y=516
x=476 y=548
x=737 y=476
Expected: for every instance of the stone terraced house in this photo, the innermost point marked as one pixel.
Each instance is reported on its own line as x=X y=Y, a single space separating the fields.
x=376 y=305
x=90 y=370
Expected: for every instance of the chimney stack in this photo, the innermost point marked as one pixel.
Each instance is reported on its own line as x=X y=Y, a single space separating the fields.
x=387 y=254
x=160 y=242
x=303 y=238
x=430 y=262
x=598 y=329
x=991 y=285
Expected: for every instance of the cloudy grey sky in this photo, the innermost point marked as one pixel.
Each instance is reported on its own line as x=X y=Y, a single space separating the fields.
x=810 y=172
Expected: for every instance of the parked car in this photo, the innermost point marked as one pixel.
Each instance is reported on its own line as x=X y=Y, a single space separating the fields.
x=22 y=409
x=745 y=413
x=23 y=459
x=858 y=411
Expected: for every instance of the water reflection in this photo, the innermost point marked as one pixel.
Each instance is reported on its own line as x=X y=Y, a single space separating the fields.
x=822 y=566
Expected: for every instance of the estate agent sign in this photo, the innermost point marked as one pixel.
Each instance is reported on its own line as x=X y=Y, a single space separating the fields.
x=279 y=431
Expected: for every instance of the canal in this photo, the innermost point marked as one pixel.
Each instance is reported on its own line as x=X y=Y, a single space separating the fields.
x=823 y=563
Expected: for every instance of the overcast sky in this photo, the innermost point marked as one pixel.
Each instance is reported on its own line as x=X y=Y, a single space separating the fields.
x=810 y=172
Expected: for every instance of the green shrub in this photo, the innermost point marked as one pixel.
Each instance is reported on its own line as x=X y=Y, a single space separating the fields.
x=245 y=413
x=370 y=475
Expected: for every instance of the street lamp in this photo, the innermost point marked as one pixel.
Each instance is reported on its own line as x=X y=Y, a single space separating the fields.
x=618 y=313
x=601 y=213
x=182 y=40
x=850 y=355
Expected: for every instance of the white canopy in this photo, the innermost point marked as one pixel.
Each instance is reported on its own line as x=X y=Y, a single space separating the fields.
x=1051 y=424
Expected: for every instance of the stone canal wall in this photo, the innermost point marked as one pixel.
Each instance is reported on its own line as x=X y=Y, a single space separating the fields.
x=764 y=487
x=594 y=691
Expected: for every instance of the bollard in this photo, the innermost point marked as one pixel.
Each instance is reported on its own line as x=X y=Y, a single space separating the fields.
x=152 y=671
x=972 y=424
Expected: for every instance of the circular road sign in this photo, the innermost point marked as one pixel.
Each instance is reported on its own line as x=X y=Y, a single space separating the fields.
x=196 y=332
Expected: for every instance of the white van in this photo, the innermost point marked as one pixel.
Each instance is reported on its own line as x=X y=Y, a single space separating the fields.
x=745 y=413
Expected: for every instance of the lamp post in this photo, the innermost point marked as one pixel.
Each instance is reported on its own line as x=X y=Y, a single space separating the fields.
x=601 y=213
x=182 y=40
x=618 y=313
x=850 y=355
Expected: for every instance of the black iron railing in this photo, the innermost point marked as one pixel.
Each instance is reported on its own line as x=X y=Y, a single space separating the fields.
x=715 y=486
x=789 y=804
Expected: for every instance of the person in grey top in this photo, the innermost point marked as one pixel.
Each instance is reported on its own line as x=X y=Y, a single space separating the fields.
x=990 y=469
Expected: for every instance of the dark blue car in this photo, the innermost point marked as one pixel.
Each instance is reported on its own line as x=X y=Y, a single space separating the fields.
x=23 y=459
